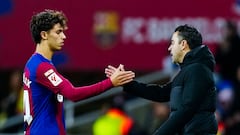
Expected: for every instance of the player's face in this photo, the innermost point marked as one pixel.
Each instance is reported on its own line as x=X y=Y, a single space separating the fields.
x=175 y=48
x=56 y=38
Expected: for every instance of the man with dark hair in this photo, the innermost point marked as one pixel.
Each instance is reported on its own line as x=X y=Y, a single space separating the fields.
x=191 y=93
x=45 y=87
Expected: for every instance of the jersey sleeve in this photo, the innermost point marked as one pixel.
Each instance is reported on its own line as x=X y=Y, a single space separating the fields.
x=48 y=76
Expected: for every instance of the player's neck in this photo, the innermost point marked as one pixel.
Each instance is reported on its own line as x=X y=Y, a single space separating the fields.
x=44 y=51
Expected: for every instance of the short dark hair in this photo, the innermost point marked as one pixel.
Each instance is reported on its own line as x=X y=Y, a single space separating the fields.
x=190 y=34
x=44 y=21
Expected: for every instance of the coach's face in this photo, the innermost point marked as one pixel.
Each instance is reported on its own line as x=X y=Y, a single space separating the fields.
x=176 y=48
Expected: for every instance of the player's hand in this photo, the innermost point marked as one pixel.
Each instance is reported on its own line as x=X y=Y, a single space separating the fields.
x=111 y=69
x=119 y=76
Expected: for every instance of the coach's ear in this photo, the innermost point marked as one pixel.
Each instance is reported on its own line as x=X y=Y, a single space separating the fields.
x=184 y=45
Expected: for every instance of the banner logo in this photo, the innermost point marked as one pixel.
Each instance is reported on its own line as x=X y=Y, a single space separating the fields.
x=106 y=28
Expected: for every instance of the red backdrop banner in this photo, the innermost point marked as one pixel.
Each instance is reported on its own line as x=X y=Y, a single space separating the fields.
x=135 y=33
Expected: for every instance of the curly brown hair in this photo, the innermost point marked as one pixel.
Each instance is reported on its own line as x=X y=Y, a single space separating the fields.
x=44 y=21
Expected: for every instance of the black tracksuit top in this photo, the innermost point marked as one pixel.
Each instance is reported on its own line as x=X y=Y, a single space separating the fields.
x=191 y=94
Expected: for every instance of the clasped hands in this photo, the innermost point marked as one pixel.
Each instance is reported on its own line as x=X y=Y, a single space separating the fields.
x=118 y=75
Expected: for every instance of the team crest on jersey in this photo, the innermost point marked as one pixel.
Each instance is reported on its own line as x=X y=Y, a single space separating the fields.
x=53 y=77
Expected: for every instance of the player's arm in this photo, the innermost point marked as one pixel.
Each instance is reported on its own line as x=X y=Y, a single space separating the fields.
x=48 y=76
x=155 y=92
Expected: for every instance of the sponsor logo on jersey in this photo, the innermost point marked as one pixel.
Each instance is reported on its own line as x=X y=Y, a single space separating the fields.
x=53 y=77
x=50 y=71
x=60 y=98
x=26 y=81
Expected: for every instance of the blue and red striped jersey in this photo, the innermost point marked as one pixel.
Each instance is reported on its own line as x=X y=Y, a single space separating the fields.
x=44 y=89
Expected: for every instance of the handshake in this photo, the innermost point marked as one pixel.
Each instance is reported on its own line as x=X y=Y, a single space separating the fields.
x=118 y=75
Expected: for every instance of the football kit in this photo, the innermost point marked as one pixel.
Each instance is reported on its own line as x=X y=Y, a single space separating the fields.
x=44 y=89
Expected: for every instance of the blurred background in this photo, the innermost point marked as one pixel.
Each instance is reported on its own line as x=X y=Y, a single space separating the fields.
x=134 y=33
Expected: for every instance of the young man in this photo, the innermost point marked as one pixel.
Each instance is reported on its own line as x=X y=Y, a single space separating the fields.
x=191 y=93
x=44 y=87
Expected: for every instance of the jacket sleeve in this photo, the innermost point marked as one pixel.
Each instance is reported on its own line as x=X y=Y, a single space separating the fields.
x=195 y=87
x=48 y=76
x=154 y=92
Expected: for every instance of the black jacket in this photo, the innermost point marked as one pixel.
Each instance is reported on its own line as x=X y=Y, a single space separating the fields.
x=191 y=93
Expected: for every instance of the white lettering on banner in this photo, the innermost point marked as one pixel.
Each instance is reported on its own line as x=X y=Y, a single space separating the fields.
x=154 y=30
x=132 y=30
x=157 y=30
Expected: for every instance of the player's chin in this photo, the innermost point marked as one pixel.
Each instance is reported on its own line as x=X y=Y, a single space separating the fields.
x=58 y=48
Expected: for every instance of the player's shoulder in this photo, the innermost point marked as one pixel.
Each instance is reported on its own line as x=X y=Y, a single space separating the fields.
x=36 y=57
x=36 y=61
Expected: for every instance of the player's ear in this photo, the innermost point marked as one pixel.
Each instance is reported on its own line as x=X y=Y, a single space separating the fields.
x=43 y=34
